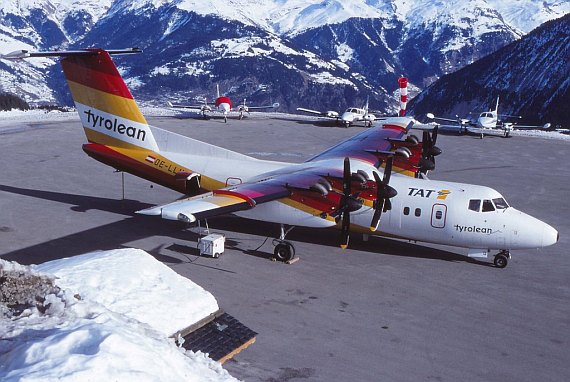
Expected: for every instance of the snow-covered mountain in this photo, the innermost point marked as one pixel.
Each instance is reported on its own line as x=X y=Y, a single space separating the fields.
x=531 y=76
x=321 y=54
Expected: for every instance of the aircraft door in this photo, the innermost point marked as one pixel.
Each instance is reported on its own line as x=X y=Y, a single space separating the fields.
x=438 y=215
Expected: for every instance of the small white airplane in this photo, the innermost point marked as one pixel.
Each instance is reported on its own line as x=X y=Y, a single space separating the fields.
x=355 y=114
x=487 y=123
x=366 y=183
x=349 y=117
x=223 y=104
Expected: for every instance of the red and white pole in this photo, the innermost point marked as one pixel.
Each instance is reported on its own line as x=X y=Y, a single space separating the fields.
x=403 y=82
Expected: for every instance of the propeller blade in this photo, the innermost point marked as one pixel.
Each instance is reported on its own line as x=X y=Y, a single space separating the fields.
x=344 y=233
x=388 y=170
x=344 y=205
x=377 y=207
x=346 y=178
x=387 y=205
x=434 y=134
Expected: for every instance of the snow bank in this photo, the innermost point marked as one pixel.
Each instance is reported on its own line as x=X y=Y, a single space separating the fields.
x=108 y=322
x=136 y=285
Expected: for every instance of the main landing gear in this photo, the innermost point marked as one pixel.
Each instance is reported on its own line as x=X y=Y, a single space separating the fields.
x=284 y=251
x=502 y=259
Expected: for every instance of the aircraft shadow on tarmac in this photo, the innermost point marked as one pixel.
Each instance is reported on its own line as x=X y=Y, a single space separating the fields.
x=135 y=227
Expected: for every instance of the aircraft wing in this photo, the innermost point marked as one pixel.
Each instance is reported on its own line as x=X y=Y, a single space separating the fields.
x=272 y=106
x=328 y=114
x=289 y=182
x=314 y=186
x=187 y=106
x=543 y=127
x=376 y=144
x=452 y=128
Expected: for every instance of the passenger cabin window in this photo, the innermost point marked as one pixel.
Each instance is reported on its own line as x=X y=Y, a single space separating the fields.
x=500 y=203
x=475 y=205
x=488 y=206
x=418 y=212
x=406 y=210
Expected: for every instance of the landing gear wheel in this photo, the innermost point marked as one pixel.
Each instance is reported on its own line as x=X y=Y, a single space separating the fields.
x=501 y=260
x=284 y=251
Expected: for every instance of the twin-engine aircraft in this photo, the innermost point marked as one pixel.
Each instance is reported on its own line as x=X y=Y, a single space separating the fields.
x=353 y=115
x=368 y=183
x=223 y=105
x=350 y=116
x=487 y=123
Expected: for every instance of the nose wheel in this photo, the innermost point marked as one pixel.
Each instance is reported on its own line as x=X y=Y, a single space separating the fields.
x=502 y=259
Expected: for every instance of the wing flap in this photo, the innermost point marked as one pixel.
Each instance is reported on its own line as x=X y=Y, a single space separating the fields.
x=201 y=207
x=218 y=202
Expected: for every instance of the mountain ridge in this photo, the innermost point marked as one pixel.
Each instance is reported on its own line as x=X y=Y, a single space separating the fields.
x=327 y=54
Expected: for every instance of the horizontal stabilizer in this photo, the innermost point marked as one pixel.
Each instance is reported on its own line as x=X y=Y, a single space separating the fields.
x=20 y=54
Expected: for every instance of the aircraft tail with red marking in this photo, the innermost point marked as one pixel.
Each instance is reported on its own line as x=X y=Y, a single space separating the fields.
x=108 y=111
x=119 y=134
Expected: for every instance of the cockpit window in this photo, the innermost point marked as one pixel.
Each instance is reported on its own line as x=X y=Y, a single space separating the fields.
x=500 y=203
x=488 y=206
x=475 y=205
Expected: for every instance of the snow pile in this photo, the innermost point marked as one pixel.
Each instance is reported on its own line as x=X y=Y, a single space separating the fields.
x=108 y=318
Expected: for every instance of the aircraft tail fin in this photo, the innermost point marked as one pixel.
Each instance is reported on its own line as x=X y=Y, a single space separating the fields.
x=106 y=107
x=403 y=83
x=108 y=112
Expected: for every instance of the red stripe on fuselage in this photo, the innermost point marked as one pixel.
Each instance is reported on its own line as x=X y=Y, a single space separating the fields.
x=98 y=72
x=110 y=157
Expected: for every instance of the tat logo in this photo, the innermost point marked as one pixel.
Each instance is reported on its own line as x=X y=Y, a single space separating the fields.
x=425 y=193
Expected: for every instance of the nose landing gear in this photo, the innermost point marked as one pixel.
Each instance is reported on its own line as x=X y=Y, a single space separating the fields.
x=502 y=259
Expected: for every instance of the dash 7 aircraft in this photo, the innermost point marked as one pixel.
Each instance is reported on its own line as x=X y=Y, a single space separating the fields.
x=371 y=183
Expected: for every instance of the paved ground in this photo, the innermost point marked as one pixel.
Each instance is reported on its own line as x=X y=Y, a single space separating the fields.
x=382 y=310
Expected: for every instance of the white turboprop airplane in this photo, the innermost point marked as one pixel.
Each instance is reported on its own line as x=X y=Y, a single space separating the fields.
x=348 y=186
x=355 y=114
x=487 y=123
x=223 y=104
x=349 y=117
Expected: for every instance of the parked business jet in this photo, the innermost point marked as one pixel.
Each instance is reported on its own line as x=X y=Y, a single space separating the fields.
x=366 y=183
x=224 y=106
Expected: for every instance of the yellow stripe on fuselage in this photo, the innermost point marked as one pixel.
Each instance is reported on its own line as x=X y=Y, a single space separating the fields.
x=109 y=103
x=140 y=154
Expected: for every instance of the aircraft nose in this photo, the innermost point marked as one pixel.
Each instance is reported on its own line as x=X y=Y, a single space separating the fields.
x=550 y=236
x=530 y=232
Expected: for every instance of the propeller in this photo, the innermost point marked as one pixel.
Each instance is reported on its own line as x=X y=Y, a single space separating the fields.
x=429 y=150
x=383 y=194
x=348 y=204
